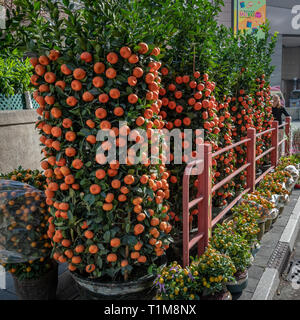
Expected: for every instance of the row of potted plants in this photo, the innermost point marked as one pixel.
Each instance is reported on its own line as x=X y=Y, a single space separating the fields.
x=232 y=247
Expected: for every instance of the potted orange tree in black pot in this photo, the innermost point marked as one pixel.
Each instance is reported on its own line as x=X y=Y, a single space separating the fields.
x=25 y=247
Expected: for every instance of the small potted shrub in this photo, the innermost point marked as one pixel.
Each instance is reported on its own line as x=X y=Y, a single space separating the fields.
x=27 y=248
x=14 y=80
x=247 y=223
x=228 y=242
x=173 y=282
x=268 y=206
x=205 y=278
x=215 y=271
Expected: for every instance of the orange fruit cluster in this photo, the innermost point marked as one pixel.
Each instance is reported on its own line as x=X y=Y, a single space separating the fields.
x=101 y=210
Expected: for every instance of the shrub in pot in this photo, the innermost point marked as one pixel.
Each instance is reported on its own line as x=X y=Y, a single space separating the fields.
x=26 y=248
x=249 y=222
x=204 y=278
x=173 y=282
x=110 y=220
x=227 y=241
x=215 y=270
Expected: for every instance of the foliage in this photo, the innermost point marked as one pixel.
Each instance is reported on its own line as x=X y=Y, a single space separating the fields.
x=33 y=269
x=14 y=74
x=24 y=212
x=34 y=178
x=292 y=160
x=226 y=240
x=215 y=270
x=273 y=184
x=176 y=283
x=206 y=275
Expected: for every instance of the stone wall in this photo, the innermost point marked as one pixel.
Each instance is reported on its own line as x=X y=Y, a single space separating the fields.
x=19 y=141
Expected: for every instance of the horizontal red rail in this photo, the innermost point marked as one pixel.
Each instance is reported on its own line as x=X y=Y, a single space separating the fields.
x=264 y=154
x=194 y=202
x=264 y=132
x=282 y=125
x=230 y=177
x=228 y=208
x=205 y=189
x=282 y=141
x=196 y=239
x=232 y=146
x=263 y=175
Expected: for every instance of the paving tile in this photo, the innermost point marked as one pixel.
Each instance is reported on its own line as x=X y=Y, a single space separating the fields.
x=62 y=267
x=6 y=295
x=246 y=295
x=9 y=282
x=255 y=272
x=252 y=284
x=66 y=289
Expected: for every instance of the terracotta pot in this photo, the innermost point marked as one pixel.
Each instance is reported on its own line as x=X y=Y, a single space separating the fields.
x=43 y=288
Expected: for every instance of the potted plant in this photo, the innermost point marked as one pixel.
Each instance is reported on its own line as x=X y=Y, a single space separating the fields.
x=228 y=242
x=34 y=280
x=215 y=270
x=247 y=223
x=204 y=278
x=14 y=80
x=24 y=215
x=173 y=282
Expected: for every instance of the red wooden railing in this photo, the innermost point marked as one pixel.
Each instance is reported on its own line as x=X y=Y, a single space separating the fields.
x=205 y=189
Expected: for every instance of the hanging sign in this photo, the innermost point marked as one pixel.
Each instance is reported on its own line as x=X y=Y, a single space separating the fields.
x=249 y=15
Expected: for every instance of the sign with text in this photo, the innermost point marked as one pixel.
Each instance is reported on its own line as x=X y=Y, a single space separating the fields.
x=249 y=15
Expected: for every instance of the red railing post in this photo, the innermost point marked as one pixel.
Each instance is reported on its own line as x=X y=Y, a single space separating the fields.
x=185 y=217
x=204 y=207
x=288 y=143
x=251 y=155
x=274 y=152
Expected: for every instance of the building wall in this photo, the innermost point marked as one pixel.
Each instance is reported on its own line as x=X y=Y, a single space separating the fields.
x=291 y=67
x=225 y=17
x=277 y=63
x=19 y=141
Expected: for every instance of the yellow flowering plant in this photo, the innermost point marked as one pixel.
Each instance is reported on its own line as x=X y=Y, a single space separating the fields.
x=215 y=270
x=173 y=282
x=229 y=242
x=245 y=221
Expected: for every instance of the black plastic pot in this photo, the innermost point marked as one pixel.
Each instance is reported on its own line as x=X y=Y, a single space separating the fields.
x=268 y=224
x=43 y=288
x=239 y=285
x=261 y=225
x=92 y=289
x=134 y=290
x=224 y=295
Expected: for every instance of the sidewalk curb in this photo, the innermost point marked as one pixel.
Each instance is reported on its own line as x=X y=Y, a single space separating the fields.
x=267 y=285
x=270 y=279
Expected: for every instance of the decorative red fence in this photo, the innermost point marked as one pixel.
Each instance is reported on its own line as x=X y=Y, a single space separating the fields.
x=205 y=189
